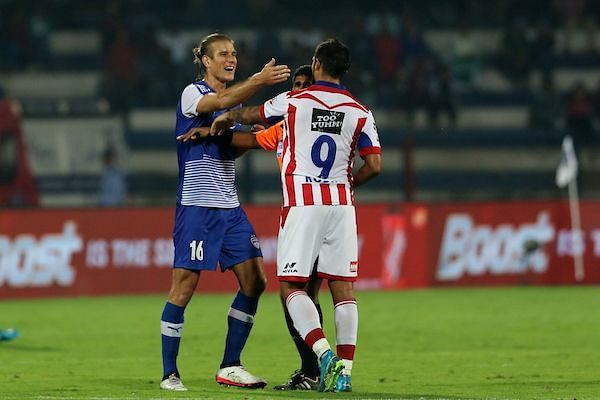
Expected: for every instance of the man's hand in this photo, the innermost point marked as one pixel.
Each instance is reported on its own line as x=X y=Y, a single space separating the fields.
x=194 y=133
x=221 y=124
x=272 y=74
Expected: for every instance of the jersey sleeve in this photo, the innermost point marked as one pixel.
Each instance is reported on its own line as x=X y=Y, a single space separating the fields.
x=190 y=98
x=269 y=138
x=368 y=139
x=275 y=108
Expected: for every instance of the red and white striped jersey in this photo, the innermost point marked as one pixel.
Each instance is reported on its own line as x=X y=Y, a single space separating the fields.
x=324 y=125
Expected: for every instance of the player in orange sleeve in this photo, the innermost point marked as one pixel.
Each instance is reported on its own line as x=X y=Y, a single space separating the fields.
x=270 y=139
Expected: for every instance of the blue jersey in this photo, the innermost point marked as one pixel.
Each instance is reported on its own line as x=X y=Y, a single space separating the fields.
x=206 y=166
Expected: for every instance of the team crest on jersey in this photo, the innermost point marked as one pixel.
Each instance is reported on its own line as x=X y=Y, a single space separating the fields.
x=254 y=241
x=203 y=89
x=353 y=266
x=327 y=121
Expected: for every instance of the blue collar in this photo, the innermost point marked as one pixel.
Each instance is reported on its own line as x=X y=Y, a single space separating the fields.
x=330 y=84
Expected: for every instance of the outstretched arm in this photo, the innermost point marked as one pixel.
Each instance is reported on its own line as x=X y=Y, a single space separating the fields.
x=244 y=115
x=370 y=169
x=240 y=140
x=244 y=140
x=271 y=74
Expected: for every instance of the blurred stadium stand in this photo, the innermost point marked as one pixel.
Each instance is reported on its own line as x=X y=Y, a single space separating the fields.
x=456 y=88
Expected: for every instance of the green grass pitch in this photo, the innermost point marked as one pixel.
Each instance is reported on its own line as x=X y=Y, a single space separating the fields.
x=494 y=343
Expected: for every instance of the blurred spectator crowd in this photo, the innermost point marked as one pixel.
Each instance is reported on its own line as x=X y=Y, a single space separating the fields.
x=145 y=48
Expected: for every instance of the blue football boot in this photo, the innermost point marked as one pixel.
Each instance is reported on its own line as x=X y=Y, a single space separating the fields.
x=331 y=367
x=8 y=334
x=343 y=383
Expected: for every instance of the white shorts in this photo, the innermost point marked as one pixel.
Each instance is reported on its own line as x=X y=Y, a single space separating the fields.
x=327 y=232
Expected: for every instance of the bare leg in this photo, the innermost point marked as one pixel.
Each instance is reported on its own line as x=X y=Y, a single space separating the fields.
x=251 y=277
x=183 y=285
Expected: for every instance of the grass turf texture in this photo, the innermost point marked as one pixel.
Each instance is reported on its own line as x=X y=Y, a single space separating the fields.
x=500 y=343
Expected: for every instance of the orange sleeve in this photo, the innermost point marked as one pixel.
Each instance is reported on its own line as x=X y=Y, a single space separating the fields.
x=270 y=137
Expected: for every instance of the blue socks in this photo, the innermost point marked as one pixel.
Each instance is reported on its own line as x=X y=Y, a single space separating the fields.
x=171 y=327
x=239 y=322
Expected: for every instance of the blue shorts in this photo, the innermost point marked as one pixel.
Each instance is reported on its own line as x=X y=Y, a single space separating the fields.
x=204 y=236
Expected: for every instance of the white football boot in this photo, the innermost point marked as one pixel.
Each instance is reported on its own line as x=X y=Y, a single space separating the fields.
x=173 y=382
x=238 y=376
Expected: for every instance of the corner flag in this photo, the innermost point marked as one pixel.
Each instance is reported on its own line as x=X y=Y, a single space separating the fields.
x=566 y=175
x=567 y=168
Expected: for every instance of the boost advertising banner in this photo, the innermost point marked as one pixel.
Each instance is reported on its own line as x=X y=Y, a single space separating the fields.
x=511 y=243
x=109 y=251
x=85 y=252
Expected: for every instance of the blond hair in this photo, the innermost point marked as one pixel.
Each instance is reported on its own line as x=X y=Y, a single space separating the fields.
x=204 y=48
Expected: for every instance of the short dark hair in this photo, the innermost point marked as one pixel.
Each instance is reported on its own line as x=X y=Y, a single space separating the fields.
x=205 y=49
x=305 y=70
x=334 y=56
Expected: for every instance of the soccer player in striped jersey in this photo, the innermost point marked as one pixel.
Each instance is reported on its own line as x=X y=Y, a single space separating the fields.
x=210 y=226
x=324 y=124
x=271 y=139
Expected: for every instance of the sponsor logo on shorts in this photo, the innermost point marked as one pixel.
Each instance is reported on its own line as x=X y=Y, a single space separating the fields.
x=254 y=241
x=290 y=268
x=353 y=266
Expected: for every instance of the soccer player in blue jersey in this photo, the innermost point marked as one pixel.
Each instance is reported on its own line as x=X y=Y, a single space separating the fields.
x=307 y=377
x=210 y=226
